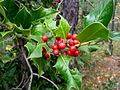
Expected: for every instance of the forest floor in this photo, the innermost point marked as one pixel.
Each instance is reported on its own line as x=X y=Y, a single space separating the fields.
x=104 y=74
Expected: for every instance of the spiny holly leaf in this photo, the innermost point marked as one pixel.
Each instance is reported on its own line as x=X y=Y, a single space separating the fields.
x=5 y=33
x=72 y=77
x=11 y=9
x=63 y=28
x=37 y=52
x=43 y=13
x=92 y=32
x=30 y=47
x=2 y=12
x=40 y=64
x=101 y=13
x=23 y=18
x=87 y=49
x=22 y=31
x=115 y=36
x=50 y=24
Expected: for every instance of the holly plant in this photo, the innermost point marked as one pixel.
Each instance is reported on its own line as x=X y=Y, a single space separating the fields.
x=36 y=36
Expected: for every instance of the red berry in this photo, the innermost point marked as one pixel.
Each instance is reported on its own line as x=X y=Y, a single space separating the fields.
x=73 y=48
x=1 y=55
x=58 y=38
x=71 y=42
x=55 y=47
x=46 y=55
x=74 y=37
x=62 y=45
x=56 y=52
x=58 y=1
x=76 y=53
x=76 y=42
x=44 y=50
x=44 y=38
x=69 y=53
x=64 y=53
x=69 y=36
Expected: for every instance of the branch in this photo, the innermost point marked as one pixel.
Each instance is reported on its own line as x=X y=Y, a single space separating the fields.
x=31 y=77
x=48 y=80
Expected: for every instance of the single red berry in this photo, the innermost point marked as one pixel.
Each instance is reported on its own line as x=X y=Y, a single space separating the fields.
x=62 y=45
x=69 y=36
x=74 y=37
x=71 y=42
x=44 y=50
x=76 y=42
x=73 y=48
x=76 y=53
x=1 y=55
x=69 y=53
x=64 y=53
x=58 y=38
x=54 y=47
x=44 y=38
x=46 y=55
x=58 y=1
x=56 y=52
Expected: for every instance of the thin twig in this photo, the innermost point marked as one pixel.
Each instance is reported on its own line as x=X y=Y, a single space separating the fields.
x=47 y=80
x=31 y=71
x=25 y=83
x=21 y=80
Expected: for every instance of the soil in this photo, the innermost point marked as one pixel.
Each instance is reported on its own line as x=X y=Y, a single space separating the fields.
x=105 y=71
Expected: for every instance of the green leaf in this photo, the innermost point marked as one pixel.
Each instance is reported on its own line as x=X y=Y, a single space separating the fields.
x=115 y=36
x=37 y=52
x=92 y=32
x=30 y=47
x=20 y=30
x=40 y=64
x=11 y=8
x=50 y=24
x=2 y=12
x=5 y=33
x=63 y=28
x=6 y=58
x=72 y=77
x=43 y=13
x=101 y=13
x=87 y=49
x=23 y=18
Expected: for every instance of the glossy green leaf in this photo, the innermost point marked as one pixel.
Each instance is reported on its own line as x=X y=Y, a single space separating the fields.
x=37 y=52
x=63 y=28
x=115 y=36
x=87 y=49
x=20 y=30
x=92 y=32
x=23 y=18
x=11 y=8
x=72 y=77
x=2 y=12
x=101 y=13
x=43 y=13
x=50 y=24
x=30 y=47
x=5 y=33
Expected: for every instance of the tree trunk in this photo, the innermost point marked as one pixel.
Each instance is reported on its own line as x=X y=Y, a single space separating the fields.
x=70 y=12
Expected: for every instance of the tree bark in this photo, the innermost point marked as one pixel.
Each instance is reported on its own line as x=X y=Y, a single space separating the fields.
x=70 y=12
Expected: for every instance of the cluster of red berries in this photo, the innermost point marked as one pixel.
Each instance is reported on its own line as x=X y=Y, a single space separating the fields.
x=66 y=48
